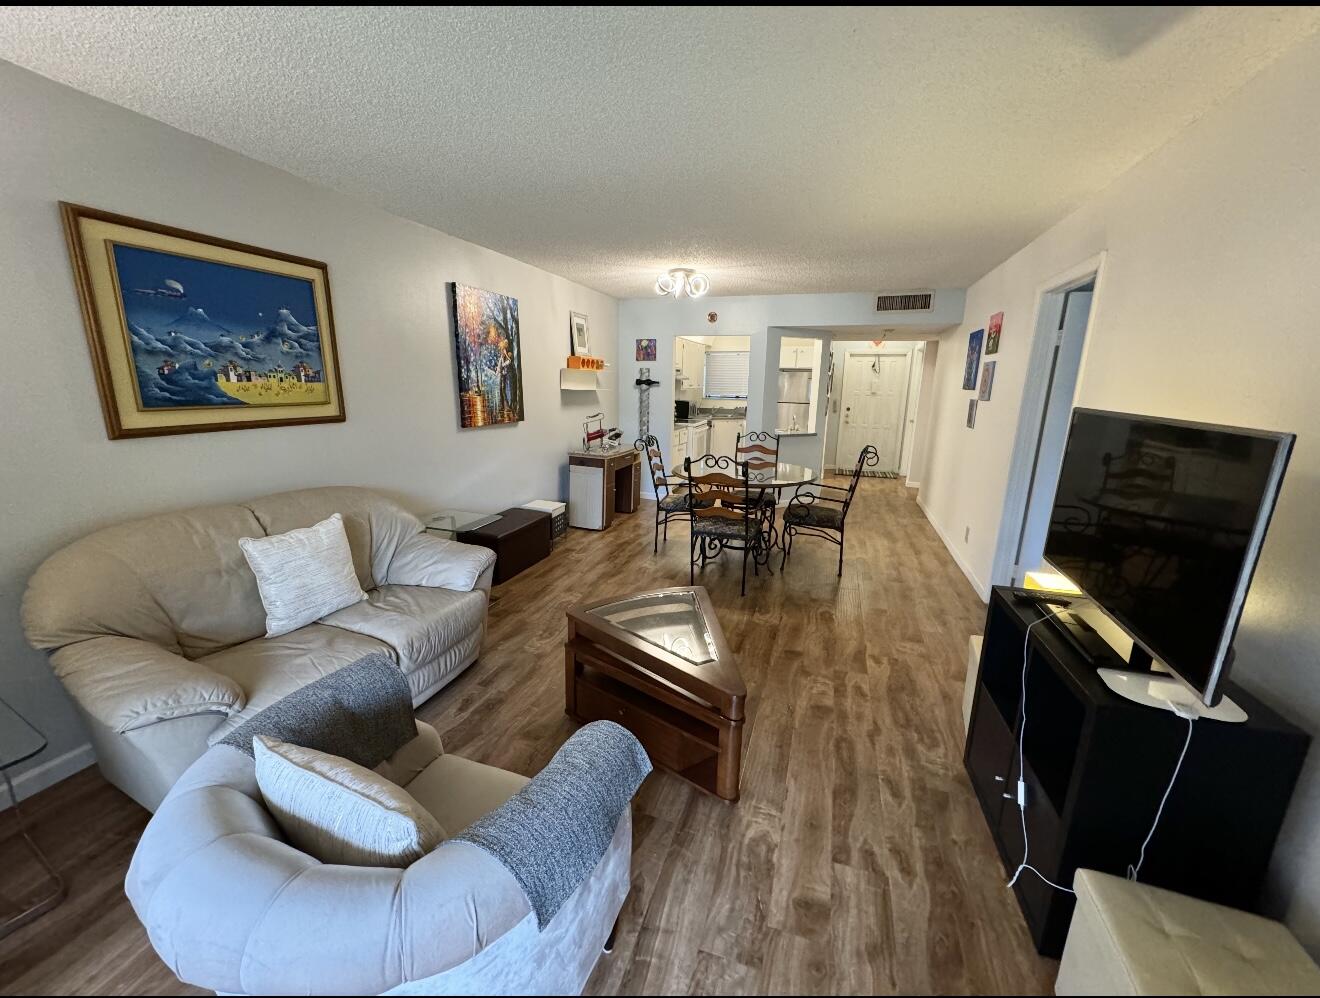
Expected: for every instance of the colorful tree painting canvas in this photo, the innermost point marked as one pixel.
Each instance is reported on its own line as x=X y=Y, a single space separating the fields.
x=489 y=357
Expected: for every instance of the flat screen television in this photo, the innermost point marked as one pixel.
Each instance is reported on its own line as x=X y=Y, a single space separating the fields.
x=1161 y=522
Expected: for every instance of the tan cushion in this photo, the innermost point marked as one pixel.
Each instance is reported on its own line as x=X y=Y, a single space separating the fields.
x=270 y=668
x=303 y=574
x=1132 y=939
x=375 y=525
x=458 y=791
x=413 y=756
x=419 y=623
x=341 y=812
x=125 y=683
x=177 y=580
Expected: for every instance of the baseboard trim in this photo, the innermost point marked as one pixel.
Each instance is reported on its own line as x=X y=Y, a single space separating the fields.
x=982 y=591
x=38 y=778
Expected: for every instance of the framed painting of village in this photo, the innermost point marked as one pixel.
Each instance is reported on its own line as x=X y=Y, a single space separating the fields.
x=190 y=333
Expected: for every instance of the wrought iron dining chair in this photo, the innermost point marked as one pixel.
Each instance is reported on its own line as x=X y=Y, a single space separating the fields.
x=760 y=449
x=671 y=494
x=727 y=514
x=824 y=514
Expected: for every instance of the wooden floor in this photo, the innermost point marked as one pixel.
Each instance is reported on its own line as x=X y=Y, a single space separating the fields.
x=857 y=861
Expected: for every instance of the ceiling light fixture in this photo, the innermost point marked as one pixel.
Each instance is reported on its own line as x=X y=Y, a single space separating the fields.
x=681 y=281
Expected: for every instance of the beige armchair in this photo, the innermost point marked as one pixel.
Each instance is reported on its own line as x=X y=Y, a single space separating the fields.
x=155 y=627
x=231 y=906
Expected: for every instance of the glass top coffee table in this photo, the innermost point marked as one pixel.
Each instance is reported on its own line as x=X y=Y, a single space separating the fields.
x=449 y=522
x=657 y=663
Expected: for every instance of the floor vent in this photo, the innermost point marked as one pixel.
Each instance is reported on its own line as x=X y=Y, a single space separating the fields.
x=905 y=301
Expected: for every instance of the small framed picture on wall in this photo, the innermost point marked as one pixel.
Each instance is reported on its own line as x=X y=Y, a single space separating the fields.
x=974 y=341
x=577 y=328
x=971 y=414
x=992 y=333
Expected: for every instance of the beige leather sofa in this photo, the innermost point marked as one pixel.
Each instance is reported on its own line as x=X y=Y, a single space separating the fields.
x=156 y=627
x=231 y=906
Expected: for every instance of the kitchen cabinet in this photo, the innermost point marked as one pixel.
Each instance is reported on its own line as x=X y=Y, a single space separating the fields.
x=680 y=447
x=724 y=435
x=798 y=353
x=699 y=439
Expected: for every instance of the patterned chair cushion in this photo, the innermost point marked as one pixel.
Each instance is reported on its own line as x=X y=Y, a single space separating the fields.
x=677 y=502
x=720 y=527
x=815 y=515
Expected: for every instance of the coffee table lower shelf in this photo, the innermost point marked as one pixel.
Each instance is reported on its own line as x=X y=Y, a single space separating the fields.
x=679 y=733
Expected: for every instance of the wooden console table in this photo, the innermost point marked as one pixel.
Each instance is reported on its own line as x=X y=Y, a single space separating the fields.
x=658 y=664
x=602 y=483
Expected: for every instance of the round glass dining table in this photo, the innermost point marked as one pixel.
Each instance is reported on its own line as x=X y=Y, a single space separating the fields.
x=781 y=476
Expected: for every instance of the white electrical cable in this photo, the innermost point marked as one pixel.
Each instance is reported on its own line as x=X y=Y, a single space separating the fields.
x=1134 y=871
x=1021 y=783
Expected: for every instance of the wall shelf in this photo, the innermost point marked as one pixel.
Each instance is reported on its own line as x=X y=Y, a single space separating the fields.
x=577 y=379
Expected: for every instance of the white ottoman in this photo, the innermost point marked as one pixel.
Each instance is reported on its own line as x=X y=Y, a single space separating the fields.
x=1131 y=939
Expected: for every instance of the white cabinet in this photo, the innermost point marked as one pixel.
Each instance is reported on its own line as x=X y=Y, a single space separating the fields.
x=699 y=439
x=680 y=448
x=799 y=353
x=724 y=435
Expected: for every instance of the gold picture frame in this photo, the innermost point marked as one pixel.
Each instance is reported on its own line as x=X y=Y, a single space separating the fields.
x=191 y=333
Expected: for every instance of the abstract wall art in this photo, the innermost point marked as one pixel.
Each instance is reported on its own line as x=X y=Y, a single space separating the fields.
x=973 y=359
x=489 y=357
x=992 y=333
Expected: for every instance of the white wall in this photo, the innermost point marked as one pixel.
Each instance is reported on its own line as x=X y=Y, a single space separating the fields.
x=1206 y=310
x=61 y=477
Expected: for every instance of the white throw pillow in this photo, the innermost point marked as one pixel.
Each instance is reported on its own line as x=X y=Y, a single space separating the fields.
x=341 y=812
x=303 y=575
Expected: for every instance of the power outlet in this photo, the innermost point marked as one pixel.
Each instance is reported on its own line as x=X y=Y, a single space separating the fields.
x=967 y=533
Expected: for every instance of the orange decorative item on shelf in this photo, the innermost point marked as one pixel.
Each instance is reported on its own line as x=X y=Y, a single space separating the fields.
x=586 y=363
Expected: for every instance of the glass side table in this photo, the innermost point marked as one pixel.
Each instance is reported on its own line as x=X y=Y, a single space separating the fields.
x=449 y=522
x=19 y=742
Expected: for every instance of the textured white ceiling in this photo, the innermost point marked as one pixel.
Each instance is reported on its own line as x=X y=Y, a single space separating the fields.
x=777 y=149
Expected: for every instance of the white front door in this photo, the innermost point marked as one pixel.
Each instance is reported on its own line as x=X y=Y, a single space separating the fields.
x=874 y=399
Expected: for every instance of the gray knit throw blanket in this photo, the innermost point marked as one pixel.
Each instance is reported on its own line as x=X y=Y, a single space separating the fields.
x=362 y=712
x=552 y=833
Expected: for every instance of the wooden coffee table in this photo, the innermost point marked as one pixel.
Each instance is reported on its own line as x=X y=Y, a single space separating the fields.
x=657 y=663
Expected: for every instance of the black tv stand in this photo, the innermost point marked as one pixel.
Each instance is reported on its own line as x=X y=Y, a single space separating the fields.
x=1097 y=764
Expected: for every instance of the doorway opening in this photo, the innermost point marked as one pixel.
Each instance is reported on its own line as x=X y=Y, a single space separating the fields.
x=1063 y=320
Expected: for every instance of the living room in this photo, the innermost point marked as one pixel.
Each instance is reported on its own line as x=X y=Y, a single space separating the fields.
x=426 y=266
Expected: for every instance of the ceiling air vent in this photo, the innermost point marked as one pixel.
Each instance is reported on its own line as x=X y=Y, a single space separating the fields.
x=905 y=301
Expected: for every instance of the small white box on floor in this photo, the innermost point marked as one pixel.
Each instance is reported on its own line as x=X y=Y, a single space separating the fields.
x=558 y=516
